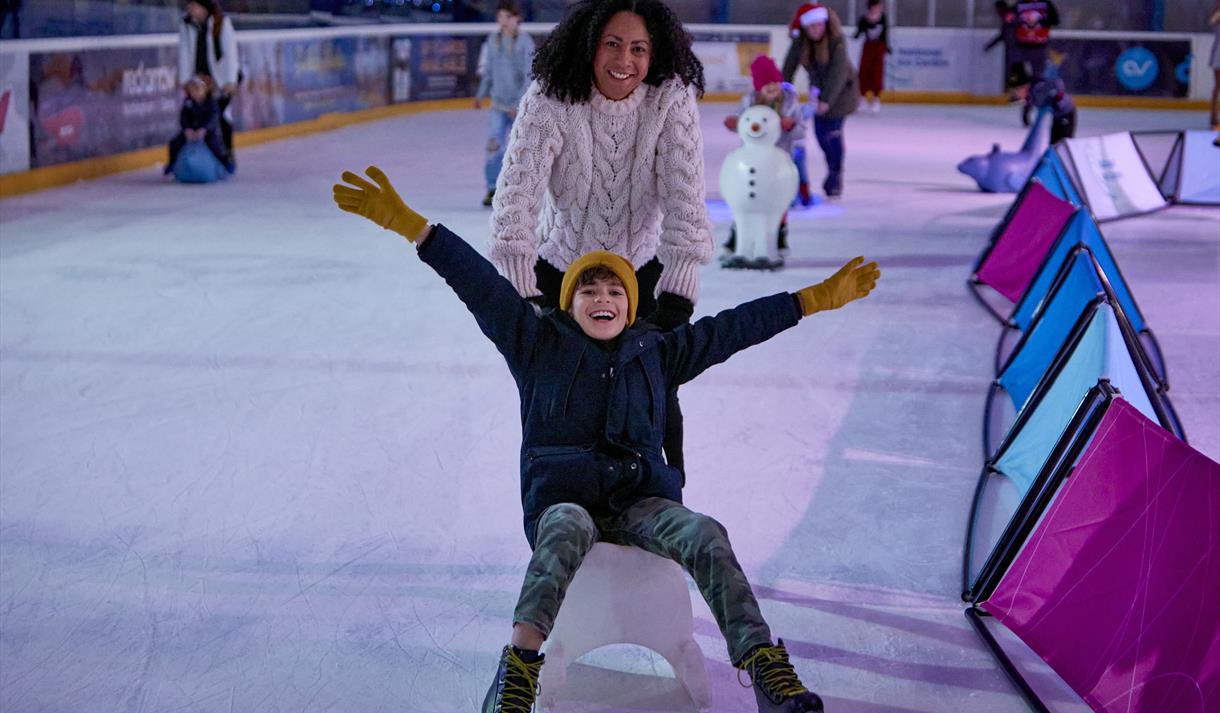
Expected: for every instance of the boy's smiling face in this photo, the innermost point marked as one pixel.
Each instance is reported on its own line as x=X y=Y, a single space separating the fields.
x=600 y=308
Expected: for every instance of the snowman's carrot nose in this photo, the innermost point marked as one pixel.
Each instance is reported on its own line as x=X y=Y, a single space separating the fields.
x=755 y=127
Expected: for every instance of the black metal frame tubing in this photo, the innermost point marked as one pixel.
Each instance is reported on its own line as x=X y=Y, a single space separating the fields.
x=1057 y=467
x=1159 y=367
x=1086 y=419
x=975 y=616
x=1060 y=278
x=1153 y=387
x=1023 y=416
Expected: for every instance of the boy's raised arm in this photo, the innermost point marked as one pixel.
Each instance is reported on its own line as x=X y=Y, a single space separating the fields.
x=503 y=316
x=712 y=340
x=380 y=204
x=853 y=281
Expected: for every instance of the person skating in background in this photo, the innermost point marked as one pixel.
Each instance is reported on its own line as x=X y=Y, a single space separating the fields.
x=10 y=19
x=1032 y=37
x=207 y=47
x=820 y=47
x=504 y=73
x=199 y=120
x=1045 y=94
x=607 y=153
x=771 y=90
x=591 y=468
x=1006 y=36
x=1214 y=21
x=874 y=27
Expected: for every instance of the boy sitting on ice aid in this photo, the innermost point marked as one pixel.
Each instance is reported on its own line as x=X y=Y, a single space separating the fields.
x=592 y=388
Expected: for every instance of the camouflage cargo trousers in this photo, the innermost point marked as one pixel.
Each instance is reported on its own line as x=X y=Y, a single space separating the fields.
x=698 y=543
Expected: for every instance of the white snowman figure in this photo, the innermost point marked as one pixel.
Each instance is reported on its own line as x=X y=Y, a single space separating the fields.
x=758 y=181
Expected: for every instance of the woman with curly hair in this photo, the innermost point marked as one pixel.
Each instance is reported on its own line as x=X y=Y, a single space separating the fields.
x=819 y=46
x=607 y=154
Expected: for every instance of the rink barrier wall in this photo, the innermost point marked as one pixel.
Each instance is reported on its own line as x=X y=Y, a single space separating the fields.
x=366 y=73
x=37 y=179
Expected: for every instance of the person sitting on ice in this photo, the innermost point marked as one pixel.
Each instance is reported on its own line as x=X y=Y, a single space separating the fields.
x=1044 y=93
x=771 y=90
x=592 y=386
x=199 y=121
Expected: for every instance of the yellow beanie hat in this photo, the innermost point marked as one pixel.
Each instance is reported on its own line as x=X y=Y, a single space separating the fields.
x=616 y=264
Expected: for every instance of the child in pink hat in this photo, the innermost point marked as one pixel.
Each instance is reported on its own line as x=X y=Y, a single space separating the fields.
x=771 y=90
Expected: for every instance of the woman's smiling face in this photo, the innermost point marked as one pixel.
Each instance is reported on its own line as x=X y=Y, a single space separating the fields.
x=623 y=55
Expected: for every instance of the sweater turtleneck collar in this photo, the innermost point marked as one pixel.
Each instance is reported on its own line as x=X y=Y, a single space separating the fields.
x=622 y=107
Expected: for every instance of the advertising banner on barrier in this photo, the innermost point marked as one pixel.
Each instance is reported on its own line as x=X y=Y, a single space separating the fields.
x=91 y=103
x=14 y=112
x=939 y=60
x=1111 y=67
x=1113 y=176
x=298 y=80
x=435 y=67
x=726 y=58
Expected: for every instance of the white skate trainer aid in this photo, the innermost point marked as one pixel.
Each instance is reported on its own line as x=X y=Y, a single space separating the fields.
x=625 y=595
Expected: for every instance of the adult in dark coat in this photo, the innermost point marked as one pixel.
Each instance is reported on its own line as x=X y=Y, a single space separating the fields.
x=821 y=49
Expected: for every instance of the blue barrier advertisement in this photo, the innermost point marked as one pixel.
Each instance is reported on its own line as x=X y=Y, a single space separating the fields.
x=435 y=66
x=1104 y=67
x=298 y=80
x=90 y=103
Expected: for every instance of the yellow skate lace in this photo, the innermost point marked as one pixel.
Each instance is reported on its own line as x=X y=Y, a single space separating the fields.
x=778 y=676
x=518 y=695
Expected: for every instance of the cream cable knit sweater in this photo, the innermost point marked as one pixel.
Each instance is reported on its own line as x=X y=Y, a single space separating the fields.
x=624 y=176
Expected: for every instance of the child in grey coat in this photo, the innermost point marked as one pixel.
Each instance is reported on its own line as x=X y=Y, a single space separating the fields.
x=504 y=74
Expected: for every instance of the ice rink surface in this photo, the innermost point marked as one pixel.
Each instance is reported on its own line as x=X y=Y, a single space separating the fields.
x=256 y=457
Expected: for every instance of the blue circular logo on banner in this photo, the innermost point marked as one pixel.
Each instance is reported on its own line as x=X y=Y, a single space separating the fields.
x=1183 y=71
x=1136 y=68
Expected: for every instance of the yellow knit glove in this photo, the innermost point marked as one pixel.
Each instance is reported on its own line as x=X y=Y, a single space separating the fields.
x=379 y=203
x=853 y=281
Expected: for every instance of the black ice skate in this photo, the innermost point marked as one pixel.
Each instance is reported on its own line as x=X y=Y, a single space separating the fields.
x=764 y=263
x=833 y=186
x=734 y=262
x=730 y=245
x=776 y=685
x=515 y=686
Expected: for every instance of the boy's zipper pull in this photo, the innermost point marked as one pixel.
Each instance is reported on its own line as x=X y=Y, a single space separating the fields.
x=611 y=372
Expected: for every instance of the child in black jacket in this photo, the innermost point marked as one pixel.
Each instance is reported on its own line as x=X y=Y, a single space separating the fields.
x=200 y=121
x=592 y=390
